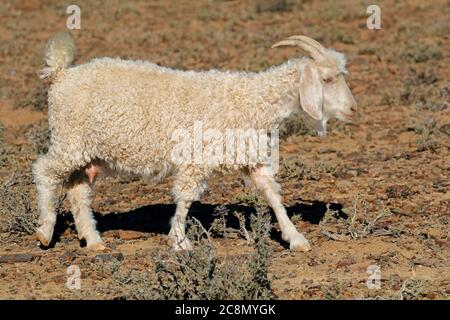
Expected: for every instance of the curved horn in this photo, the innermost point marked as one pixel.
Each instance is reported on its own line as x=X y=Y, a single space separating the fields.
x=311 y=42
x=314 y=49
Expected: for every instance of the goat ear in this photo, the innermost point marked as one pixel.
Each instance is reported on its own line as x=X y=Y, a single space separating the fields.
x=310 y=89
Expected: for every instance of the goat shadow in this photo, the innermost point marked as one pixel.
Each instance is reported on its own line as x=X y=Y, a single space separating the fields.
x=155 y=218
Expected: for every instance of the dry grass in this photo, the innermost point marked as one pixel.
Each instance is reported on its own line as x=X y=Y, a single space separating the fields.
x=293 y=167
x=274 y=6
x=203 y=274
x=250 y=199
x=36 y=98
x=425 y=132
x=360 y=223
x=413 y=289
x=398 y=63
x=16 y=208
x=418 y=53
x=39 y=137
x=297 y=124
x=425 y=91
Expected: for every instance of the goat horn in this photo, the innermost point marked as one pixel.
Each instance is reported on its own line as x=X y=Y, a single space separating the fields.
x=310 y=41
x=310 y=46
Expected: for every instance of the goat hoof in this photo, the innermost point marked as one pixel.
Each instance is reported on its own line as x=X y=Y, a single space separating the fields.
x=97 y=246
x=300 y=247
x=43 y=238
x=300 y=244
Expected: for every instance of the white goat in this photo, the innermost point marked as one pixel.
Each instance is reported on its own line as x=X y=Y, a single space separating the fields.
x=121 y=115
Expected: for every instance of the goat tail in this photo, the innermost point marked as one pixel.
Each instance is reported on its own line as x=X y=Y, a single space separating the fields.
x=59 y=54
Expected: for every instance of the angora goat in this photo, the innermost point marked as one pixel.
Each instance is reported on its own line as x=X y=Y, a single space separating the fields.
x=121 y=115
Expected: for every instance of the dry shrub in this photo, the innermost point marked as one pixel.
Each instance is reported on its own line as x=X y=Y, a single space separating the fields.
x=39 y=137
x=445 y=129
x=425 y=90
x=360 y=223
x=422 y=52
x=21 y=217
x=340 y=36
x=250 y=200
x=294 y=168
x=9 y=154
x=425 y=139
x=15 y=206
x=297 y=124
x=332 y=291
x=413 y=289
x=274 y=6
x=35 y=98
x=388 y=98
x=202 y=273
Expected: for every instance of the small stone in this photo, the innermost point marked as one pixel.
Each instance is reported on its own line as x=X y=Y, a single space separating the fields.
x=352 y=173
x=291 y=275
x=110 y=234
x=129 y=234
x=16 y=257
x=69 y=256
x=109 y=256
x=326 y=150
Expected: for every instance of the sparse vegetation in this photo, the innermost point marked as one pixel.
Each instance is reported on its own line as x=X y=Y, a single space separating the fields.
x=388 y=98
x=412 y=289
x=425 y=91
x=425 y=136
x=360 y=223
x=36 y=98
x=332 y=291
x=343 y=37
x=296 y=124
x=39 y=137
x=399 y=77
x=274 y=6
x=203 y=274
x=294 y=168
x=250 y=200
x=422 y=53
x=15 y=205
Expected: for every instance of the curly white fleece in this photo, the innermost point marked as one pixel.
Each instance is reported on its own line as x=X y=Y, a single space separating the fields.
x=122 y=114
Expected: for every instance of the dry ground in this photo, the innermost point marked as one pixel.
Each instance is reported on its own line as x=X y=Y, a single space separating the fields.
x=393 y=160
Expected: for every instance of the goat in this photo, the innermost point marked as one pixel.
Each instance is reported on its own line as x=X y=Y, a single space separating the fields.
x=121 y=115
